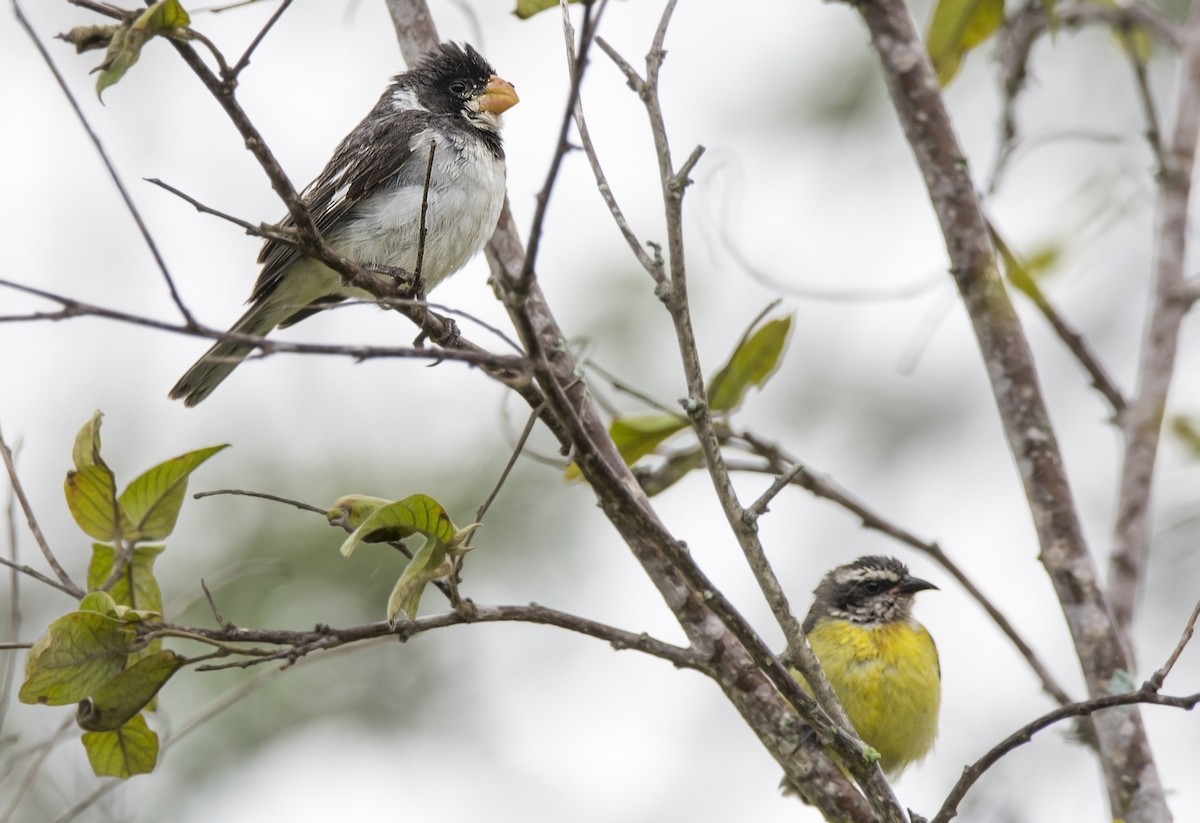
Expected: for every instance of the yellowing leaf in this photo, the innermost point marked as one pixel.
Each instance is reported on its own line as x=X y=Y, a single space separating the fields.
x=117 y=701
x=415 y=514
x=752 y=363
x=80 y=652
x=99 y=602
x=528 y=8
x=124 y=752
x=352 y=510
x=91 y=489
x=125 y=45
x=957 y=27
x=428 y=564
x=152 y=501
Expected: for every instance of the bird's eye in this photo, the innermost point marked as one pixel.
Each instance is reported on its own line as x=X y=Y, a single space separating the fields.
x=459 y=87
x=872 y=587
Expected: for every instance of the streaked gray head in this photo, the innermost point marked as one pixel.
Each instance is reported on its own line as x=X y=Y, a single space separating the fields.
x=872 y=589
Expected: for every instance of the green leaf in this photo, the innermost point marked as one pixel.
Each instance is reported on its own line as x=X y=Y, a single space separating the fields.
x=752 y=363
x=99 y=602
x=124 y=752
x=428 y=564
x=80 y=652
x=117 y=701
x=92 y=499
x=153 y=500
x=86 y=450
x=137 y=587
x=528 y=8
x=1187 y=431
x=636 y=437
x=351 y=511
x=91 y=489
x=125 y=45
x=415 y=514
x=957 y=27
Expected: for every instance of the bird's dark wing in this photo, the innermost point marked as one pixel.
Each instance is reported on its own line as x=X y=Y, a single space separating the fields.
x=368 y=158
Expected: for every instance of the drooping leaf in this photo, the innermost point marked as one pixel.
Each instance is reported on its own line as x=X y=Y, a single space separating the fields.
x=352 y=510
x=752 y=363
x=152 y=501
x=957 y=27
x=80 y=652
x=528 y=8
x=87 y=38
x=125 y=45
x=91 y=489
x=415 y=514
x=428 y=564
x=124 y=752
x=117 y=701
x=86 y=449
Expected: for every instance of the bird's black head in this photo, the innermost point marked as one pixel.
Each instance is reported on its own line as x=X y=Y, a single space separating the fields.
x=454 y=79
x=870 y=590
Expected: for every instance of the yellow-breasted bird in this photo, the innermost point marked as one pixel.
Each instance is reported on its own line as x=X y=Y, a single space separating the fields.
x=882 y=663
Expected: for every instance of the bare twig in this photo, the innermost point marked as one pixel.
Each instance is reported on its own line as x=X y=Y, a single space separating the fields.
x=243 y=61
x=1142 y=424
x=112 y=171
x=585 y=138
x=263 y=495
x=1071 y=338
x=1148 y=693
x=14 y=606
x=778 y=461
x=560 y=151
x=67 y=584
x=505 y=368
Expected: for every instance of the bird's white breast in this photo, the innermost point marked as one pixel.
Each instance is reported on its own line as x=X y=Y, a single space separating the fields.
x=466 y=193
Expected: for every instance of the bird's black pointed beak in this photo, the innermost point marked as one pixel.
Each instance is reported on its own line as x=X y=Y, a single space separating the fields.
x=912 y=585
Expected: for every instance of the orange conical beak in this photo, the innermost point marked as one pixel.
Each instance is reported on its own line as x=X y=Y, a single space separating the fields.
x=498 y=96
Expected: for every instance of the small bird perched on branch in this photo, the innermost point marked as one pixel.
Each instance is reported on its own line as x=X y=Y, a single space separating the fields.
x=881 y=663
x=367 y=202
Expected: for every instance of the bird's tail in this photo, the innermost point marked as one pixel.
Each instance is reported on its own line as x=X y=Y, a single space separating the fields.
x=220 y=361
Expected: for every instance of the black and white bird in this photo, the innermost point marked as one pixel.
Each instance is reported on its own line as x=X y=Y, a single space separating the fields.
x=367 y=201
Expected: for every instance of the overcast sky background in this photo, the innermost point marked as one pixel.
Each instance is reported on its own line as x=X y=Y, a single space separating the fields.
x=807 y=193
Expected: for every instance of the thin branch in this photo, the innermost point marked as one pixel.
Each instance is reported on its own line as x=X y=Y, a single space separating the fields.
x=36 y=760
x=66 y=583
x=824 y=487
x=507 y=369
x=323 y=638
x=14 y=611
x=244 y=60
x=108 y=165
x=264 y=496
x=653 y=267
x=1148 y=693
x=1142 y=424
x=560 y=150
x=1071 y=338
x=1131 y=777
x=674 y=294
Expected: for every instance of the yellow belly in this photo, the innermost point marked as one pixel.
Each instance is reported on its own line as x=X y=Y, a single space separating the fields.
x=889 y=681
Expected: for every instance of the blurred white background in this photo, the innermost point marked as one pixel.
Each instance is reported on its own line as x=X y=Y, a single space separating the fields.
x=808 y=177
